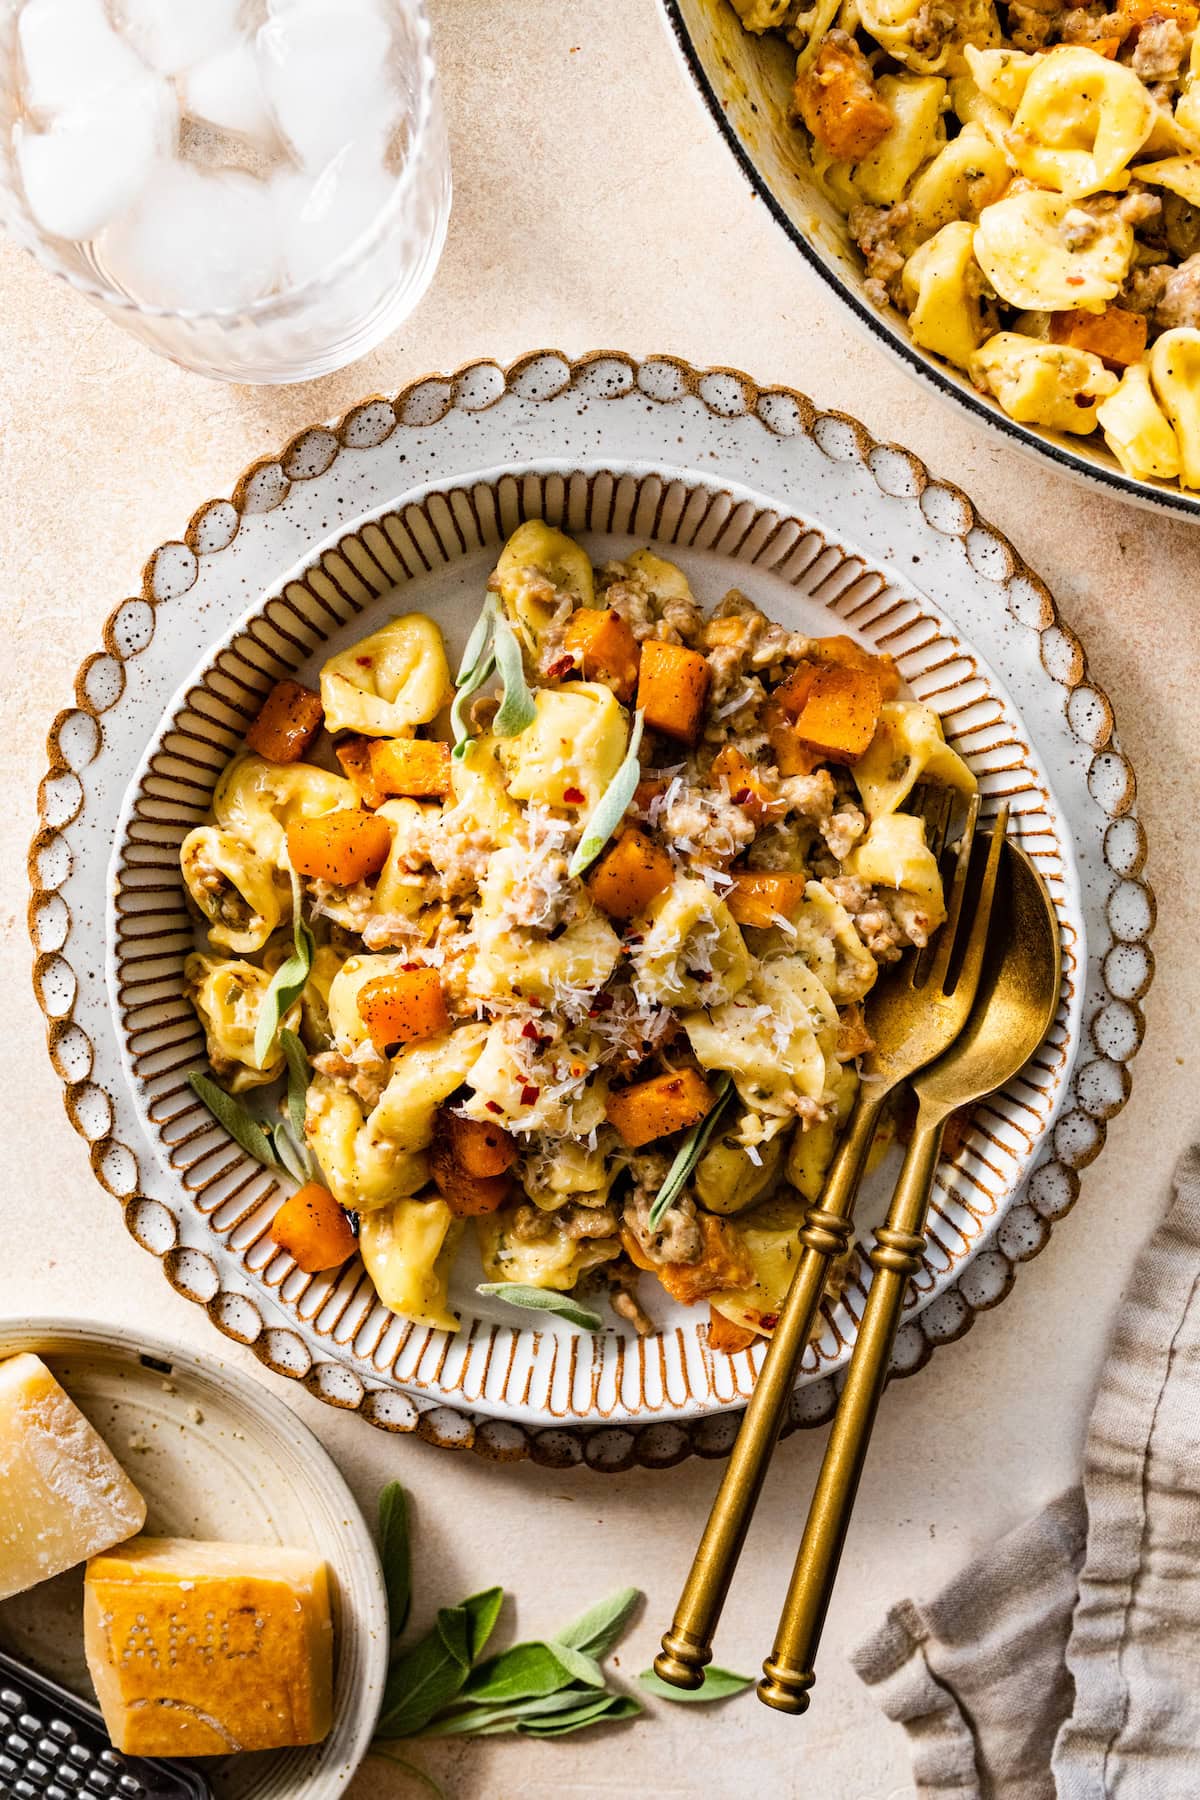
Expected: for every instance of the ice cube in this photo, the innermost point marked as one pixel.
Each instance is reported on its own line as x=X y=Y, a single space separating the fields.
x=325 y=75
x=196 y=241
x=94 y=161
x=173 y=34
x=71 y=54
x=225 y=90
x=323 y=216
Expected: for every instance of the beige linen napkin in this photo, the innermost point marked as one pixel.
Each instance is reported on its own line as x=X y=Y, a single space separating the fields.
x=1065 y=1663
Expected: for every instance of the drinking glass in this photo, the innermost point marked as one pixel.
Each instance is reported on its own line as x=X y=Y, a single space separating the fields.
x=258 y=189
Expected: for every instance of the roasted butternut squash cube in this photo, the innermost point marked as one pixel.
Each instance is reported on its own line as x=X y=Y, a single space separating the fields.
x=468 y=1196
x=672 y=690
x=724 y=1263
x=841 y=713
x=792 y=755
x=655 y=1108
x=630 y=875
x=724 y=1335
x=604 y=649
x=836 y=98
x=1116 y=336
x=759 y=897
x=747 y=786
x=404 y=1007
x=481 y=1147
x=849 y=654
x=313 y=1229
x=288 y=721
x=354 y=754
x=416 y=767
x=342 y=847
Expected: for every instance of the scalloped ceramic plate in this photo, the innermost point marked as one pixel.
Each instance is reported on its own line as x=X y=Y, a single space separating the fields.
x=605 y=445
x=216 y=1456
x=744 y=83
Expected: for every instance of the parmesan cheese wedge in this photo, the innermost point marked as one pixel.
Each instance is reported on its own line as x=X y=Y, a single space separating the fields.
x=198 y=1649
x=63 y=1494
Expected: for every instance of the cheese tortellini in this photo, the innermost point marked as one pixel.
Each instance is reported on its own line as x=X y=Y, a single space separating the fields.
x=390 y=682
x=407 y=1249
x=909 y=746
x=571 y=752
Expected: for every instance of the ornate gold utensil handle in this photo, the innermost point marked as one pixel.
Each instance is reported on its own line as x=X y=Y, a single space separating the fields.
x=687 y=1646
x=788 y=1671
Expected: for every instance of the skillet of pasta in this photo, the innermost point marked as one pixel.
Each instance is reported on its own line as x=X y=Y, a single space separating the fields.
x=1022 y=180
x=569 y=954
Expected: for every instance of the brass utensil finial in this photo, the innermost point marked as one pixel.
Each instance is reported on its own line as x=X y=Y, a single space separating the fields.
x=1017 y=996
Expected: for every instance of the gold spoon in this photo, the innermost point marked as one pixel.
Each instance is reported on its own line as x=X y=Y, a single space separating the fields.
x=1015 y=1004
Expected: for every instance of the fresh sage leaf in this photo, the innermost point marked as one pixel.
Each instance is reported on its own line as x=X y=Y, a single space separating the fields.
x=609 y=1711
x=230 y=1113
x=395 y=1554
x=534 y=1299
x=478 y=665
x=495 y=1716
x=288 y=981
x=290 y=1156
x=299 y=1073
x=719 y=1684
x=612 y=805
x=689 y=1153
x=528 y=1671
x=482 y=1611
x=426 y=1678
x=517 y=710
x=599 y=1628
x=477 y=643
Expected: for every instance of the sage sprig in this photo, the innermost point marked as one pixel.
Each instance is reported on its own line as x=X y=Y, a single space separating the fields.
x=477 y=666
x=241 y=1125
x=689 y=1153
x=440 y=1687
x=288 y=981
x=535 y=1299
x=612 y=805
x=517 y=710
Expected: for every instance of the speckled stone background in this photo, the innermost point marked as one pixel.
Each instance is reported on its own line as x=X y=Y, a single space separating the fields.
x=594 y=206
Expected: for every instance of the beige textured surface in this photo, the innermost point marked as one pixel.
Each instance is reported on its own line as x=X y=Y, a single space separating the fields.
x=596 y=207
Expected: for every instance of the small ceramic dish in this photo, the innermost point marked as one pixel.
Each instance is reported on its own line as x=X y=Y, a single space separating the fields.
x=867 y=542
x=216 y=1456
x=744 y=82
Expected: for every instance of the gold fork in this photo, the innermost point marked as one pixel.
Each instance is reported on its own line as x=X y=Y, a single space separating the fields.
x=1017 y=983
x=910 y=1027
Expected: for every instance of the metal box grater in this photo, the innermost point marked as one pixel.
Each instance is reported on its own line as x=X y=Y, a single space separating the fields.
x=53 y=1746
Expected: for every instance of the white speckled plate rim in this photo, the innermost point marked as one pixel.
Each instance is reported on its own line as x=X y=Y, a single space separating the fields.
x=657 y=414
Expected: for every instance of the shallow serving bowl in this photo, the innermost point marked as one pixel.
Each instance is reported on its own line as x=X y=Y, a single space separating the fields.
x=407 y=502
x=745 y=82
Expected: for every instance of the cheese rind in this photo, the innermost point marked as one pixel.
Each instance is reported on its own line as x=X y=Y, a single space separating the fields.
x=63 y=1494
x=198 y=1649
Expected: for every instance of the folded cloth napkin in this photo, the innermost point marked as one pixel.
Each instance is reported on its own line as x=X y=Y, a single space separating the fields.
x=1065 y=1663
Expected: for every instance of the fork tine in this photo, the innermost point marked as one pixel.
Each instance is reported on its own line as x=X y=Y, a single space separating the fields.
x=954 y=900
x=972 y=959
x=936 y=807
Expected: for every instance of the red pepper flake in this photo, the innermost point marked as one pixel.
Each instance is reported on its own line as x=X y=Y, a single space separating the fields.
x=529 y=1094
x=409 y=967
x=574 y=796
x=562 y=665
x=1074 y=280
x=742 y=797
x=529 y=1029
x=493 y=1106
x=768 y=1321
x=367 y=662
